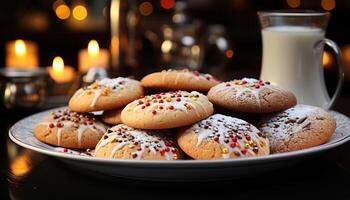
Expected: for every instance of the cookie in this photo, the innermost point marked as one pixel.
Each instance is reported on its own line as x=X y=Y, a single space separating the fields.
x=251 y=95
x=222 y=137
x=112 y=116
x=125 y=142
x=69 y=129
x=299 y=127
x=167 y=110
x=105 y=94
x=179 y=80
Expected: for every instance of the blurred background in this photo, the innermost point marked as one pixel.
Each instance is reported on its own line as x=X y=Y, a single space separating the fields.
x=136 y=37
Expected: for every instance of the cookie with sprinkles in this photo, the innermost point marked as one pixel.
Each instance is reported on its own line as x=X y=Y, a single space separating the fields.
x=69 y=129
x=222 y=137
x=105 y=94
x=251 y=95
x=112 y=116
x=297 y=128
x=124 y=142
x=179 y=80
x=167 y=110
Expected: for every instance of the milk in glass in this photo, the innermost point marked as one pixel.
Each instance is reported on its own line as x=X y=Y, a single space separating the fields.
x=292 y=57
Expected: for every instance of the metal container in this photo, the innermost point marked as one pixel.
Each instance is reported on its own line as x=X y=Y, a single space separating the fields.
x=23 y=88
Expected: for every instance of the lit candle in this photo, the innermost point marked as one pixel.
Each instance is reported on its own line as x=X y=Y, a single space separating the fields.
x=21 y=54
x=59 y=72
x=93 y=57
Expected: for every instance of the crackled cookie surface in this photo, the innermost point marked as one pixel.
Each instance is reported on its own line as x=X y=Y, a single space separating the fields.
x=299 y=127
x=222 y=137
x=167 y=110
x=69 y=129
x=251 y=95
x=179 y=80
x=125 y=142
x=105 y=94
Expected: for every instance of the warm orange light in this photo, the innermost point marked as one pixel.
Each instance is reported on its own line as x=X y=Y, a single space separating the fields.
x=80 y=12
x=328 y=4
x=93 y=48
x=62 y=11
x=167 y=4
x=146 y=8
x=346 y=53
x=229 y=53
x=58 y=65
x=20 y=48
x=293 y=3
x=21 y=165
x=327 y=59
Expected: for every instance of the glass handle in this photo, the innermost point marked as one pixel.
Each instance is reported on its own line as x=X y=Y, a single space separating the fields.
x=340 y=64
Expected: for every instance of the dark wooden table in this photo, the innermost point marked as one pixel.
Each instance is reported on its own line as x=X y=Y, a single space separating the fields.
x=25 y=174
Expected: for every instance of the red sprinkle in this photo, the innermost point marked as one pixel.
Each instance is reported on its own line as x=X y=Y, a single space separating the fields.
x=244 y=151
x=59 y=125
x=232 y=145
x=227 y=84
x=161 y=107
x=154 y=112
x=51 y=125
x=179 y=95
x=65 y=150
x=142 y=96
x=208 y=78
x=257 y=86
x=173 y=150
x=244 y=81
x=178 y=99
x=148 y=104
x=247 y=137
x=167 y=149
x=143 y=107
x=171 y=107
x=234 y=139
x=216 y=139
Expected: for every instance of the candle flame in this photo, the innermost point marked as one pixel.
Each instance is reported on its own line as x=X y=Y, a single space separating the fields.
x=93 y=48
x=58 y=64
x=20 y=48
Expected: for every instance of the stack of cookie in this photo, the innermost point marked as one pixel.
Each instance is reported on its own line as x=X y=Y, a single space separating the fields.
x=181 y=122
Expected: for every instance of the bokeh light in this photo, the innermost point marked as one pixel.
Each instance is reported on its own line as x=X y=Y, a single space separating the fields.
x=166 y=46
x=328 y=4
x=293 y=3
x=167 y=4
x=327 y=59
x=62 y=11
x=80 y=12
x=229 y=53
x=146 y=8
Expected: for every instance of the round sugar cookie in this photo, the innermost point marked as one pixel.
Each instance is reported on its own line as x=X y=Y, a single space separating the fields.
x=69 y=129
x=251 y=95
x=125 y=142
x=222 y=137
x=167 y=110
x=112 y=116
x=299 y=127
x=105 y=94
x=179 y=80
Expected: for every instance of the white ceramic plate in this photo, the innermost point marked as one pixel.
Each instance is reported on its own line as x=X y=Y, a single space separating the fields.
x=180 y=170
